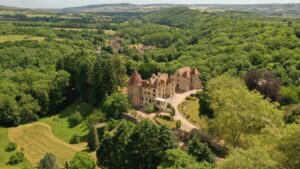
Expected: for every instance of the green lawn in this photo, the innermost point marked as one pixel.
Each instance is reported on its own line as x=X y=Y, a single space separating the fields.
x=60 y=125
x=4 y=156
x=190 y=110
x=168 y=123
x=14 y=38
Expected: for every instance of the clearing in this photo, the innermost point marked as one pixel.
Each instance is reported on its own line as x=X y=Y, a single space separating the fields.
x=13 y=38
x=36 y=139
x=4 y=156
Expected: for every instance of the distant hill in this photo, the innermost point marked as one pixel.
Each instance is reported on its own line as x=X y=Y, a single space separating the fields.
x=124 y=7
x=267 y=9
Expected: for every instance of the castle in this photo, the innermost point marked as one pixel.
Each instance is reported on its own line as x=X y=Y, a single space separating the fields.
x=161 y=86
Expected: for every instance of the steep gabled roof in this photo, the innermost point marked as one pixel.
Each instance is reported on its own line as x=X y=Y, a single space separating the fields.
x=135 y=79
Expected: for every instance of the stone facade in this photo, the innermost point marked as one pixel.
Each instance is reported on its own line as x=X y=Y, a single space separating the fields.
x=161 y=86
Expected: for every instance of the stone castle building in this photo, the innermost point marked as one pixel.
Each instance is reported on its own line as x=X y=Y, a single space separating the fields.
x=161 y=86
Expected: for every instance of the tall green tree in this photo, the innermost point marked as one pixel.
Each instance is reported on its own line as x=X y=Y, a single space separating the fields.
x=93 y=138
x=115 y=104
x=140 y=146
x=200 y=150
x=178 y=159
x=104 y=78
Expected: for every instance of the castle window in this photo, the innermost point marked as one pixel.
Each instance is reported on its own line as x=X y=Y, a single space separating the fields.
x=142 y=98
x=153 y=90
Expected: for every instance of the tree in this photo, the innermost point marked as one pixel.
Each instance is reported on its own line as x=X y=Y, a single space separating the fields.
x=293 y=115
x=200 y=150
x=235 y=115
x=135 y=146
x=289 y=146
x=48 y=162
x=82 y=161
x=265 y=82
x=9 y=109
x=256 y=157
x=115 y=104
x=92 y=138
x=60 y=91
x=178 y=159
x=104 y=78
x=84 y=76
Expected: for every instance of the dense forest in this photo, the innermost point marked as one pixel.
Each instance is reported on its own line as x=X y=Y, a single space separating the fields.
x=249 y=65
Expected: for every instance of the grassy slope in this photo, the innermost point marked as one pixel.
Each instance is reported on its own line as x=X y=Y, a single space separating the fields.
x=4 y=156
x=37 y=139
x=60 y=125
x=190 y=110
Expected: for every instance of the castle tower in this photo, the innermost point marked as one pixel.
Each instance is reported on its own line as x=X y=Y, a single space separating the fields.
x=135 y=89
x=195 y=82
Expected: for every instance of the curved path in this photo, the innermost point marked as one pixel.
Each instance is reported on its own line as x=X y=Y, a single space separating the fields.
x=175 y=101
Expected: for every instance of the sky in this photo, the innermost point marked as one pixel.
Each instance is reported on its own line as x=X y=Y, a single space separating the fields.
x=73 y=3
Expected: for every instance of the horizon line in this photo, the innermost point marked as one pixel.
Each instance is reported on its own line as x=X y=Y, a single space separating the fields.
x=142 y=4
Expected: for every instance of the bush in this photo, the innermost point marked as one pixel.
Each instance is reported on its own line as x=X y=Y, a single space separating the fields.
x=75 y=139
x=11 y=147
x=82 y=161
x=191 y=98
x=178 y=124
x=75 y=118
x=150 y=108
x=16 y=158
x=48 y=162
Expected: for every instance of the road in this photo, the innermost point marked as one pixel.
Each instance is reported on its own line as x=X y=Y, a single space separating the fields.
x=175 y=101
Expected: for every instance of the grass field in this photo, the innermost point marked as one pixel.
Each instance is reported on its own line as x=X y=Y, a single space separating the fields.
x=50 y=134
x=168 y=123
x=60 y=125
x=14 y=38
x=4 y=156
x=190 y=110
x=36 y=139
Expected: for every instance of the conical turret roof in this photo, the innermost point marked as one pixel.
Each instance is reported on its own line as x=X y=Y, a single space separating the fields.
x=135 y=79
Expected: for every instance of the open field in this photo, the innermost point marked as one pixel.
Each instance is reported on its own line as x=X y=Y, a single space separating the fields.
x=37 y=139
x=190 y=110
x=13 y=38
x=60 y=124
x=4 y=156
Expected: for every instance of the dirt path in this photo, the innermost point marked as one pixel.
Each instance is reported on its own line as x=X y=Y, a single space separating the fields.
x=175 y=101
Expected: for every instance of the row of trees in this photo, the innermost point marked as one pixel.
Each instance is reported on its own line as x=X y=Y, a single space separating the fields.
x=148 y=146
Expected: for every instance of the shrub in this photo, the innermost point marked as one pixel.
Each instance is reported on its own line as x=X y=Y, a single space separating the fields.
x=150 y=108
x=16 y=158
x=75 y=118
x=178 y=124
x=11 y=147
x=82 y=161
x=48 y=162
x=191 y=98
x=75 y=139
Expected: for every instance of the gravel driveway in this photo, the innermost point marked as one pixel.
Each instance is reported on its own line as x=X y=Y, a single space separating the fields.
x=175 y=101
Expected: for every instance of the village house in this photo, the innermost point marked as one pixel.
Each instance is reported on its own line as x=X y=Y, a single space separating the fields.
x=160 y=87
